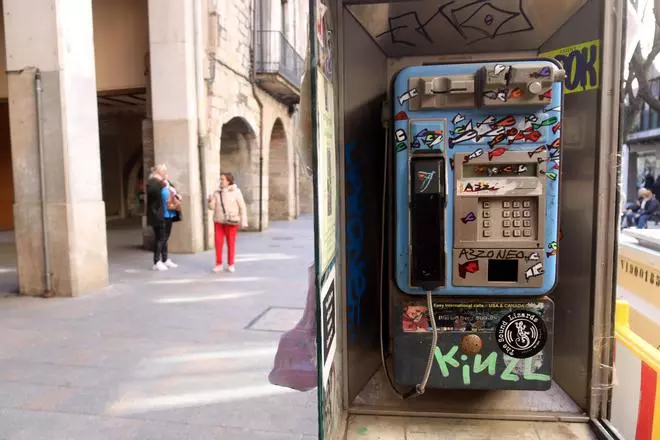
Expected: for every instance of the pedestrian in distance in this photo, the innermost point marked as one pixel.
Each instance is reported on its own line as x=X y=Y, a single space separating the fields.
x=229 y=214
x=163 y=210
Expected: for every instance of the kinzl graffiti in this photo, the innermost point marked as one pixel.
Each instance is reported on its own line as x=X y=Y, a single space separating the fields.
x=448 y=362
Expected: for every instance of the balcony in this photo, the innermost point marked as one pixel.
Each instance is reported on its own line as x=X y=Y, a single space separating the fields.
x=279 y=68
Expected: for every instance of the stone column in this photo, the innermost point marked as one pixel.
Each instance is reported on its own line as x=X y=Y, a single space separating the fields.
x=55 y=38
x=174 y=112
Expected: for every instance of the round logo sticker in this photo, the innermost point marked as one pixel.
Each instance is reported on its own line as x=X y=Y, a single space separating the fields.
x=521 y=334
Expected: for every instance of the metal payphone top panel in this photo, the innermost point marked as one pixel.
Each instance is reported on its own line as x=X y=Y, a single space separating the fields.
x=496 y=128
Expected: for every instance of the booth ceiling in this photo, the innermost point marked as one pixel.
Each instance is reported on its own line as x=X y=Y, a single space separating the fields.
x=423 y=27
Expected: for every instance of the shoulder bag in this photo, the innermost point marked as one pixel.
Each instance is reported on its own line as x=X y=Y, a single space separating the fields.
x=229 y=219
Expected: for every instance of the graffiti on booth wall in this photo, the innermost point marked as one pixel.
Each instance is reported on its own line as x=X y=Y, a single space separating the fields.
x=549 y=174
x=504 y=94
x=469 y=218
x=451 y=163
x=534 y=271
x=480 y=20
x=553 y=248
x=582 y=65
x=544 y=72
x=552 y=149
x=481 y=186
x=534 y=256
x=497 y=254
x=428 y=138
x=499 y=151
x=400 y=137
x=407 y=96
x=500 y=170
x=480 y=364
x=468 y=267
x=473 y=20
x=507 y=129
x=401 y=116
x=356 y=281
x=476 y=153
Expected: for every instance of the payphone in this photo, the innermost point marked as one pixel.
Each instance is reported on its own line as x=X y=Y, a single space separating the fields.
x=476 y=179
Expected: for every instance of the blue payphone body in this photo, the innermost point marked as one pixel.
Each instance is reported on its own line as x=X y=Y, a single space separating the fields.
x=477 y=152
x=484 y=139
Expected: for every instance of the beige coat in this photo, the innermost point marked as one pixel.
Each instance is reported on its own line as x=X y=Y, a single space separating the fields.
x=234 y=205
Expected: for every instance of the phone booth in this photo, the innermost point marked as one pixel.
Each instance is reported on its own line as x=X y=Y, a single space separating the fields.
x=466 y=237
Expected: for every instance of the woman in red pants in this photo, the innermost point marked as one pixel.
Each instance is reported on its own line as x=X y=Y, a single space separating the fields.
x=229 y=213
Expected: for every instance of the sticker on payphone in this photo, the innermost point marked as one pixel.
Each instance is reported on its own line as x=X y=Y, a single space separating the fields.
x=496 y=130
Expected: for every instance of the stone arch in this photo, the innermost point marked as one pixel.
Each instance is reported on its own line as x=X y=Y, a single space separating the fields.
x=279 y=174
x=239 y=155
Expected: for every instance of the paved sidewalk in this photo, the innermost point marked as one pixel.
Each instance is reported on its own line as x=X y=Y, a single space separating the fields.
x=182 y=354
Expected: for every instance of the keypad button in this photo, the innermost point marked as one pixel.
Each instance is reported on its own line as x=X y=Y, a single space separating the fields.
x=526 y=204
x=486 y=233
x=516 y=213
x=506 y=214
x=486 y=223
x=516 y=233
x=486 y=214
x=527 y=223
x=527 y=214
x=506 y=223
x=516 y=204
x=516 y=223
x=486 y=205
x=506 y=204
x=506 y=233
x=527 y=233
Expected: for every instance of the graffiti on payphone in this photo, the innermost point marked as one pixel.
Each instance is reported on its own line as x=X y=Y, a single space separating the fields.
x=512 y=129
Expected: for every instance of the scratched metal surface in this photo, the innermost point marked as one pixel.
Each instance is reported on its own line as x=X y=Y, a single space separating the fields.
x=574 y=294
x=460 y=26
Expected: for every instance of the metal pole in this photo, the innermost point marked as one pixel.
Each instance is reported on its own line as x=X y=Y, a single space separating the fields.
x=42 y=180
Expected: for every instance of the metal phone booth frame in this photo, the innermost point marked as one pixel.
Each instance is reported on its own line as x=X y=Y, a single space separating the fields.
x=374 y=40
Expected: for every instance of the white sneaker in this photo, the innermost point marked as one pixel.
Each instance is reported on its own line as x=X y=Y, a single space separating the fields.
x=217 y=268
x=170 y=263
x=160 y=266
x=231 y=268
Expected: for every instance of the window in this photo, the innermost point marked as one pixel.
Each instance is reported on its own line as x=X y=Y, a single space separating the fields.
x=285 y=21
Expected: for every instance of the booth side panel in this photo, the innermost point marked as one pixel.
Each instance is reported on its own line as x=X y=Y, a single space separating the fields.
x=573 y=296
x=365 y=84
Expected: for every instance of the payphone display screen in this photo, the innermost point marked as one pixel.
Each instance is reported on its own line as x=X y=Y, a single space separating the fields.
x=498 y=135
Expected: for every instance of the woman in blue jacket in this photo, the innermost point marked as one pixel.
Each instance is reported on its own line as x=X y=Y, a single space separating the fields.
x=162 y=212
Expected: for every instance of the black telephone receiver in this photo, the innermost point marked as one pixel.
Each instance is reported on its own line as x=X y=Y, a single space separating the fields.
x=427 y=223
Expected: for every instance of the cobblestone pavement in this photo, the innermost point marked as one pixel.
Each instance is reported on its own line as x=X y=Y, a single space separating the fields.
x=182 y=354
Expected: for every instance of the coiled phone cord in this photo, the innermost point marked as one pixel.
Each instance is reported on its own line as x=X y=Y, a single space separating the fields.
x=420 y=388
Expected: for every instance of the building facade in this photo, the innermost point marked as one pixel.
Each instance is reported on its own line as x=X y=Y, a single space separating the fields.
x=98 y=91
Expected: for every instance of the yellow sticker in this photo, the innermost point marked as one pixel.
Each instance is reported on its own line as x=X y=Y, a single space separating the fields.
x=582 y=64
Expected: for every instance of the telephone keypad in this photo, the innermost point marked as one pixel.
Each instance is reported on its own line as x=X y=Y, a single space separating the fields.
x=501 y=218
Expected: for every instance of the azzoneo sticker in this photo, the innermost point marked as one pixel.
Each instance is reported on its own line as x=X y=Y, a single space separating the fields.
x=521 y=334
